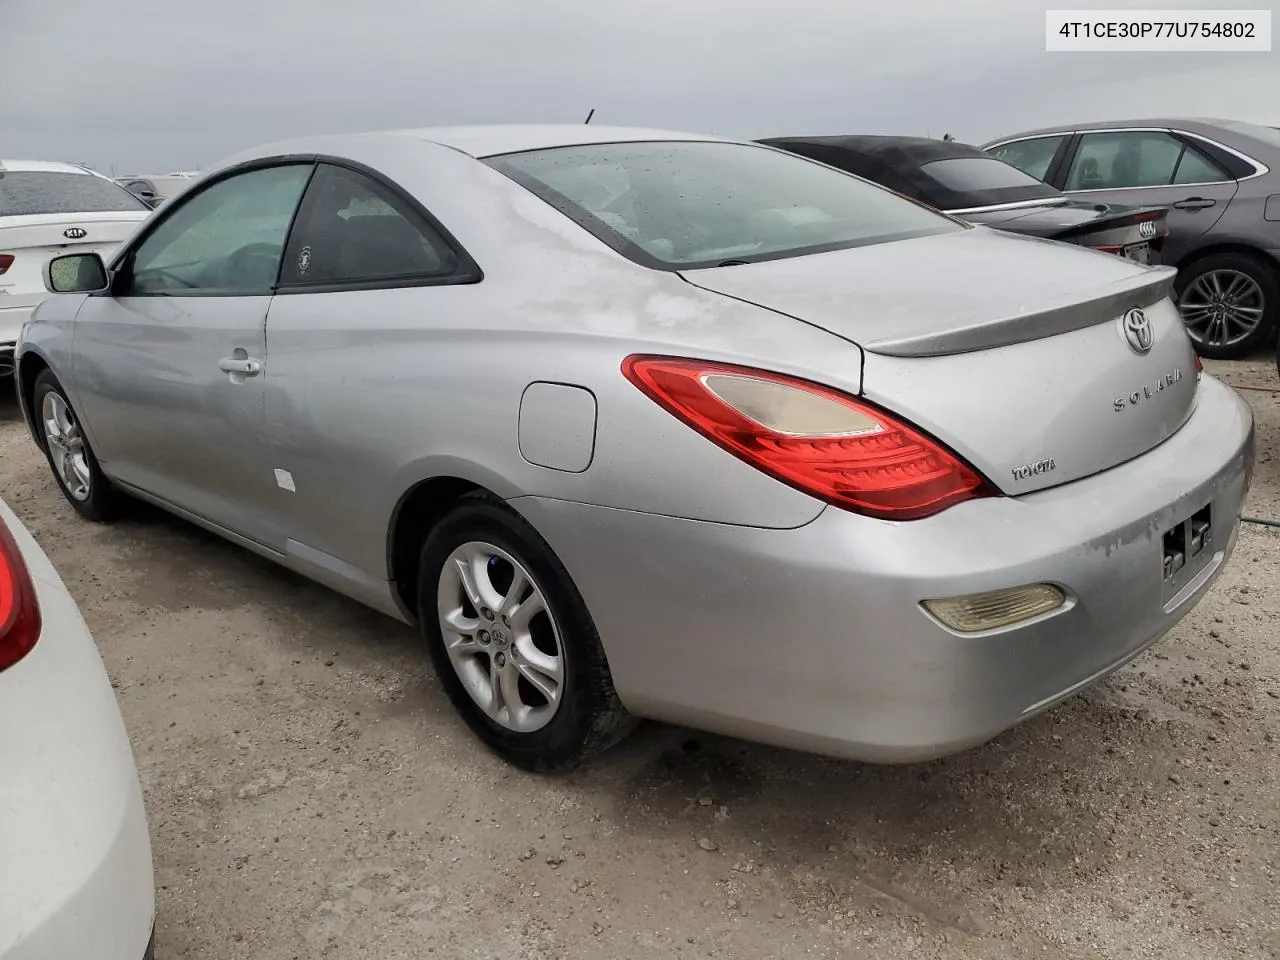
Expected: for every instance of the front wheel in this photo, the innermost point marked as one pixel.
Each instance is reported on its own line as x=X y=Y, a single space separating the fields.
x=1229 y=303
x=75 y=468
x=512 y=640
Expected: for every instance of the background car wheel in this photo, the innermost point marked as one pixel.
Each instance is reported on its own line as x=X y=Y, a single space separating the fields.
x=75 y=468
x=512 y=640
x=1229 y=303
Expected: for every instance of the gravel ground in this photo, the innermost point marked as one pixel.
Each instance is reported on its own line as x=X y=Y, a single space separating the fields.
x=311 y=793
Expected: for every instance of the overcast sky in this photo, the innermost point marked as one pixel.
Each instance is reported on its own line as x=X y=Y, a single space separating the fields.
x=149 y=86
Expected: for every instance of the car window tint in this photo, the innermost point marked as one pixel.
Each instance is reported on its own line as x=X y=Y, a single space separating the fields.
x=1194 y=167
x=226 y=238
x=351 y=229
x=682 y=204
x=1119 y=160
x=1032 y=156
x=974 y=181
x=24 y=192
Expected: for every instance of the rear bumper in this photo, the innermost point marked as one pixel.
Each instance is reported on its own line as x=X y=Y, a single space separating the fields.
x=11 y=321
x=814 y=638
x=76 y=873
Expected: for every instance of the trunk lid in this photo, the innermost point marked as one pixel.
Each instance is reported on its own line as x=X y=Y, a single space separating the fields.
x=1011 y=350
x=33 y=239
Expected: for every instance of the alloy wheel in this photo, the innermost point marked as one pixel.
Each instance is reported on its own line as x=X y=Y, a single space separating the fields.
x=66 y=446
x=501 y=637
x=1222 y=307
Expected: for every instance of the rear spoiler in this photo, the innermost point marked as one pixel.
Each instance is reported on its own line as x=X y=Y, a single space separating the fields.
x=1076 y=312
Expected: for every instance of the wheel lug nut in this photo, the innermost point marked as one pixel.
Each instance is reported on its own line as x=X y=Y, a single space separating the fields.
x=484 y=636
x=502 y=660
x=486 y=613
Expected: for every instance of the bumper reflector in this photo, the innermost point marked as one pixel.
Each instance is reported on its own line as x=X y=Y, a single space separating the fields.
x=999 y=608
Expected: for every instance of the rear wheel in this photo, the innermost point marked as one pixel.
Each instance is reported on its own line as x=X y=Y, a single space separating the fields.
x=1229 y=303
x=75 y=468
x=512 y=641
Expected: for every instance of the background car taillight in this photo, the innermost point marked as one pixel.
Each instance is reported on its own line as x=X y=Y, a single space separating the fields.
x=6 y=261
x=19 y=612
x=816 y=439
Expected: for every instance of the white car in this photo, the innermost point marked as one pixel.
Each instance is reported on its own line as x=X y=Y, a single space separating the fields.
x=48 y=209
x=76 y=874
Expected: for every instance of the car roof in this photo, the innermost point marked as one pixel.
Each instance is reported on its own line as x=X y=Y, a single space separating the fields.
x=476 y=141
x=45 y=166
x=1191 y=124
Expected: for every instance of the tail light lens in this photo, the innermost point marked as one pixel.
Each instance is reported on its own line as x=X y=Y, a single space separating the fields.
x=19 y=612
x=816 y=439
x=6 y=261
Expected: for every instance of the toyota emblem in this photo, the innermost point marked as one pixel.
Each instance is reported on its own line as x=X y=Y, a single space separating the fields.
x=75 y=233
x=1137 y=331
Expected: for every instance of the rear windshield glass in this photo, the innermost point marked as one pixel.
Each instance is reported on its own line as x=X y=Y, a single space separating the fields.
x=982 y=181
x=676 y=205
x=25 y=192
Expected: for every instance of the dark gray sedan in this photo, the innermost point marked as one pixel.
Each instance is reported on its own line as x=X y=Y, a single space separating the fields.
x=1221 y=181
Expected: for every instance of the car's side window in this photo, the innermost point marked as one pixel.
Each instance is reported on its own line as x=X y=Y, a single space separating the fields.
x=1122 y=159
x=352 y=230
x=1032 y=156
x=1195 y=167
x=228 y=238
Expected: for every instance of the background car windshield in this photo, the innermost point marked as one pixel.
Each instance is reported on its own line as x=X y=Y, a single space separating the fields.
x=981 y=181
x=25 y=192
x=692 y=204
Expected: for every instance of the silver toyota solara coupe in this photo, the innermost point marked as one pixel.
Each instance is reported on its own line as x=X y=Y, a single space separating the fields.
x=643 y=424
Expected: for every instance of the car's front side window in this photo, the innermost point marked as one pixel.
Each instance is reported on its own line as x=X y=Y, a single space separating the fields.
x=686 y=204
x=352 y=231
x=228 y=238
x=1032 y=156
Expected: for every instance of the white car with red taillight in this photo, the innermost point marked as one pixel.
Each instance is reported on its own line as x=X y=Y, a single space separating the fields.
x=75 y=858
x=47 y=209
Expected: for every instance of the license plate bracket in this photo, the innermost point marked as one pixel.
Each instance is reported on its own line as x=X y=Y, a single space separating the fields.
x=1187 y=544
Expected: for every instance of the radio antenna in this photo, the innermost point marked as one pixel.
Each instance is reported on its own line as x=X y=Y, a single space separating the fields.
x=590 y=115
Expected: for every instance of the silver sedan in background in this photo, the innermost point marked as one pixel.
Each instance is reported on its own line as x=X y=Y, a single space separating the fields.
x=645 y=424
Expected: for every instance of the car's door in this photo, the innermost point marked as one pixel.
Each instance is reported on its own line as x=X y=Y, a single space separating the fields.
x=1152 y=167
x=170 y=363
x=368 y=280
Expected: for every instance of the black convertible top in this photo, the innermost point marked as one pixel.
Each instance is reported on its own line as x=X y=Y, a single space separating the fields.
x=903 y=164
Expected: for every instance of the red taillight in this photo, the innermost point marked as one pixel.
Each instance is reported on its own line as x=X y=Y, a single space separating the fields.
x=816 y=439
x=19 y=612
x=1105 y=248
x=6 y=261
x=1199 y=364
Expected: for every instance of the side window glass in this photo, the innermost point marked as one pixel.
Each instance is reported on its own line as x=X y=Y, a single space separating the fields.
x=225 y=239
x=1194 y=167
x=1117 y=161
x=351 y=229
x=1032 y=157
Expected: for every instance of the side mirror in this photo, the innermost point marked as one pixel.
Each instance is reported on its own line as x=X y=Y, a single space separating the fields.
x=76 y=273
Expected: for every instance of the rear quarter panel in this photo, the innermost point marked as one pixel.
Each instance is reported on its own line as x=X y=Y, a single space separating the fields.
x=371 y=392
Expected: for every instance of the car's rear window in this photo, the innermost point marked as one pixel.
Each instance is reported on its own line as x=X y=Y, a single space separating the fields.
x=25 y=192
x=687 y=204
x=983 y=181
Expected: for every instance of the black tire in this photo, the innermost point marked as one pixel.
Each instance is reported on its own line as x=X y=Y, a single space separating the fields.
x=1265 y=275
x=102 y=502
x=589 y=717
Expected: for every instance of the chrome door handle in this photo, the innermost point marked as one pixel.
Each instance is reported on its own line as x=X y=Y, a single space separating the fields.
x=246 y=366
